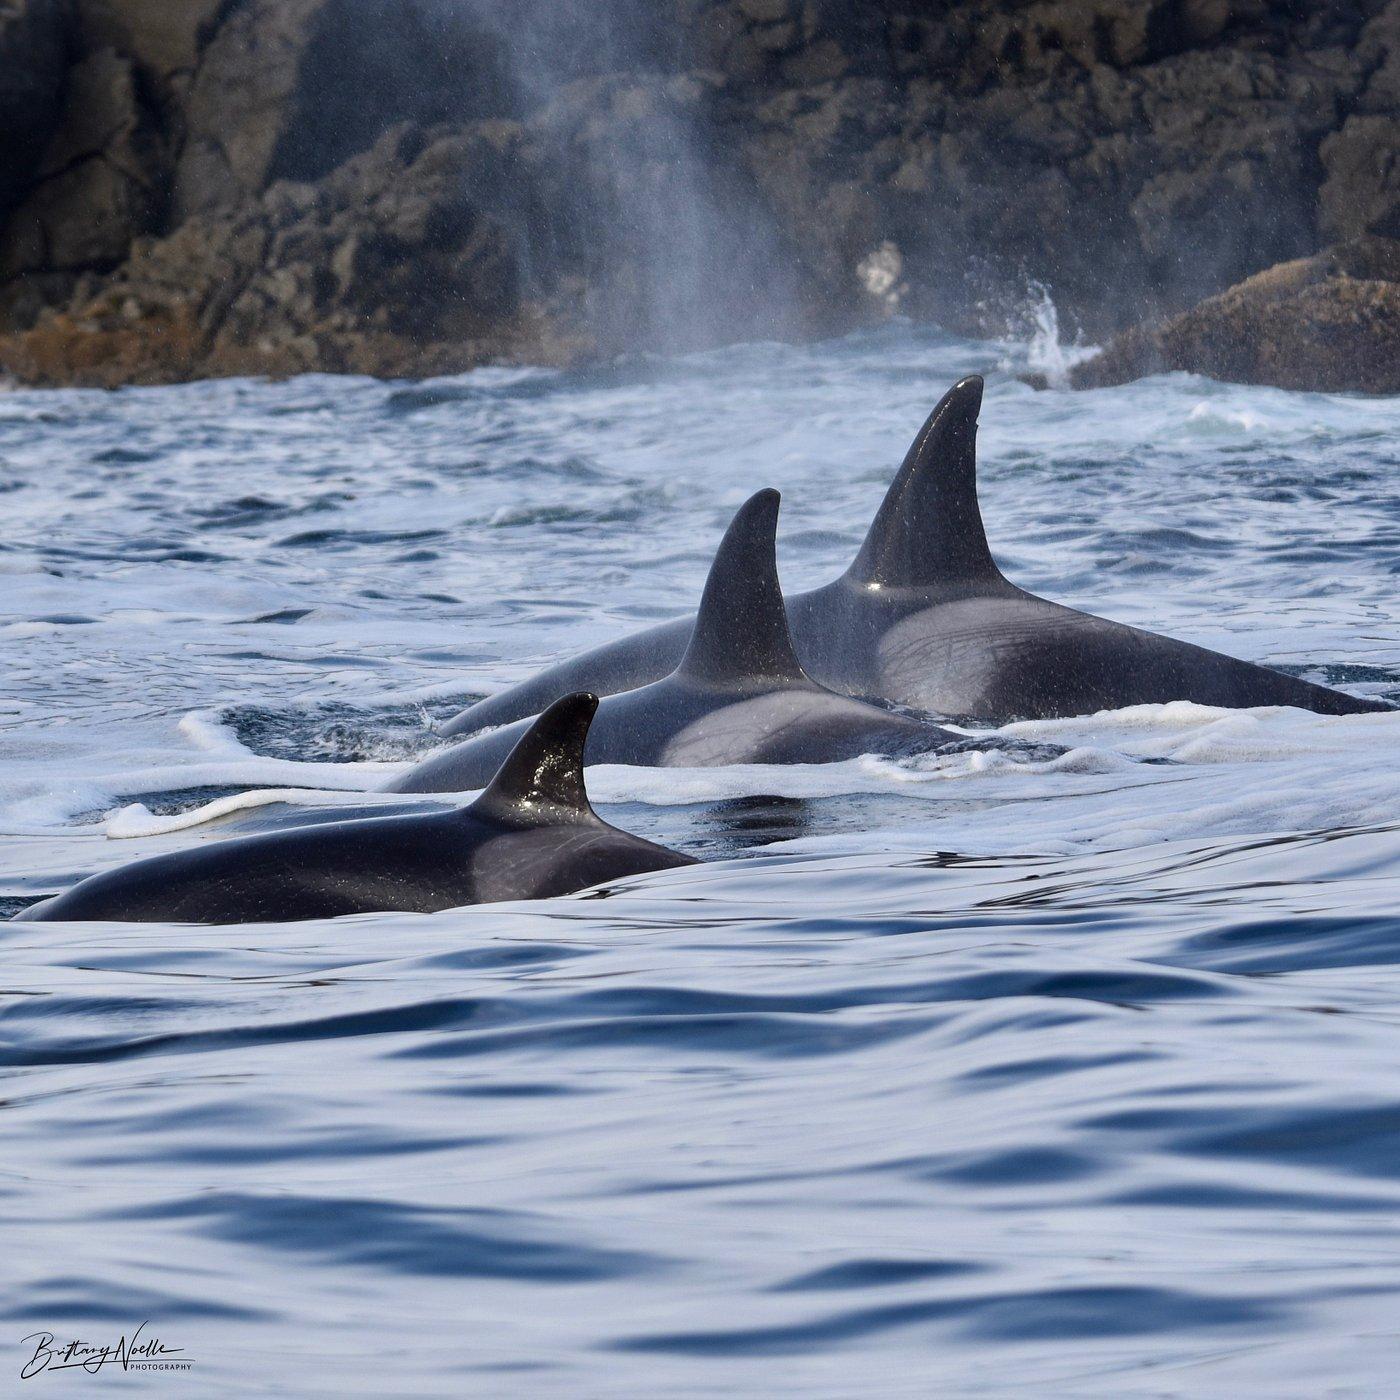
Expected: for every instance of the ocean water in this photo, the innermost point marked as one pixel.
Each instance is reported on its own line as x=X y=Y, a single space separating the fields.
x=991 y=1073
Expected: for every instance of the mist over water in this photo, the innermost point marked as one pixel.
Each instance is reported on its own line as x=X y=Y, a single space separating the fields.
x=1062 y=1067
x=681 y=251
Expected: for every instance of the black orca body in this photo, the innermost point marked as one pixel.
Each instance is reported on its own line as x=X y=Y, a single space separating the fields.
x=924 y=618
x=531 y=835
x=738 y=695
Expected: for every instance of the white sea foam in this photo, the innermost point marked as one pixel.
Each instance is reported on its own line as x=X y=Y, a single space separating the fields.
x=1210 y=771
x=136 y=820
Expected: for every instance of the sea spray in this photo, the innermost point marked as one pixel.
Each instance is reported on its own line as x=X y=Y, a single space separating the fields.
x=1047 y=354
x=679 y=249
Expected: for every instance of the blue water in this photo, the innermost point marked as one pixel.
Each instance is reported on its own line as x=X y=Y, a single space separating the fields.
x=1001 y=1072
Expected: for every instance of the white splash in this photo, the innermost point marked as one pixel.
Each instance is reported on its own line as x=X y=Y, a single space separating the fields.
x=1046 y=353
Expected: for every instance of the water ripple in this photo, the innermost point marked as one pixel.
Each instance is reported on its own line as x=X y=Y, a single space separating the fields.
x=1064 y=1065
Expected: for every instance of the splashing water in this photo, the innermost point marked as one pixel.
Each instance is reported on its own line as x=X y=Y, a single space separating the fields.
x=1046 y=354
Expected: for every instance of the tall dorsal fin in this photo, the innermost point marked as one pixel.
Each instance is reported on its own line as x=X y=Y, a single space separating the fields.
x=929 y=528
x=741 y=630
x=541 y=779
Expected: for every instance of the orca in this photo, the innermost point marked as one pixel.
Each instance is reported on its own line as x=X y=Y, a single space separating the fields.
x=925 y=618
x=739 y=694
x=531 y=835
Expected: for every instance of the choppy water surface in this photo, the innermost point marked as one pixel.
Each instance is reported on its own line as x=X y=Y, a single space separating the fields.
x=1072 y=1075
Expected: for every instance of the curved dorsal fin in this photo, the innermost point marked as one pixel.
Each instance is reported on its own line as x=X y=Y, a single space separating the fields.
x=741 y=630
x=541 y=779
x=929 y=528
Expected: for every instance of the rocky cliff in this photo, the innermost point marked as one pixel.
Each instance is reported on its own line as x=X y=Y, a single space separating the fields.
x=413 y=186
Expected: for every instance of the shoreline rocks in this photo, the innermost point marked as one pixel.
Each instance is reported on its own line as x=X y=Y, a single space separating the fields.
x=1329 y=323
x=413 y=186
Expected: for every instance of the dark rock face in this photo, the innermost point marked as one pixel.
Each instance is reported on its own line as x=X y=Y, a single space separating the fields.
x=33 y=58
x=1326 y=323
x=288 y=89
x=386 y=267
x=399 y=185
x=163 y=39
x=92 y=191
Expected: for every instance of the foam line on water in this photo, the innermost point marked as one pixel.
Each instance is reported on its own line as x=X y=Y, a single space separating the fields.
x=136 y=820
x=1191 y=733
x=1229 y=760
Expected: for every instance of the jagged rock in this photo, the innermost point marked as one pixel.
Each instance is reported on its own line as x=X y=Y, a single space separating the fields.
x=386 y=267
x=1128 y=192
x=33 y=57
x=288 y=89
x=1230 y=185
x=93 y=191
x=1362 y=190
x=1327 y=323
x=668 y=175
x=164 y=37
x=1377 y=53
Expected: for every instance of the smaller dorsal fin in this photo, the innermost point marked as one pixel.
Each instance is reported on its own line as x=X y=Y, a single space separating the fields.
x=542 y=776
x=741 y=630
x=929 y=527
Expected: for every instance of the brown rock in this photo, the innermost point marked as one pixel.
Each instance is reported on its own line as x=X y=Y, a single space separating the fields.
x=386 y=267
x=1328 y=323
x=288 y=89
x=164 y=37
x=243 y=102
